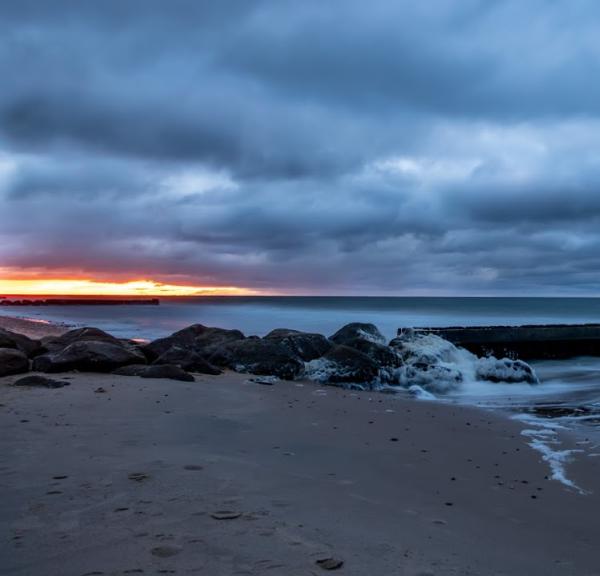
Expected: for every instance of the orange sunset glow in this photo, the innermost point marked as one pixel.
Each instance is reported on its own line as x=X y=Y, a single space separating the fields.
x=79 y=287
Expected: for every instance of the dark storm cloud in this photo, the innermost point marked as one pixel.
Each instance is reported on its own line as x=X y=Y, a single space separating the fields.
x=304 y=146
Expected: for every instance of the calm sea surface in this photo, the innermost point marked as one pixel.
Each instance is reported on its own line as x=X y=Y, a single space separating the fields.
x=258 y=315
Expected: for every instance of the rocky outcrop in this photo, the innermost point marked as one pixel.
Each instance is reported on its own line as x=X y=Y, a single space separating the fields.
x=87 y=334
x=356 y=355
x=303 y=345
x=359 y=330
x=264 y=357
x=505 y=370
x=166 y=371
x=13 y=361
x=20 y=342
x=88 y=356
x=188 y=360
x=344 y=365
x=383 y=355
x=197 y=337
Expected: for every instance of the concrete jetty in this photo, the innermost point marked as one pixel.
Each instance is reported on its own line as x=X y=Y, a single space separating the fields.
x=529 y=342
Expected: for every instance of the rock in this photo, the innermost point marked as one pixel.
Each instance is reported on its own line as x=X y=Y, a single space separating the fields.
x=281 y=333
x=88 y=356
x=385 y=356
x=358 y=330
x=343 y=365
x=195 y=337
x=264 y=380
x=303 y=345
x=168 y=371
x=57 y=343
x=189 y=360
x=13 y=361
x=433 y=377
x=430 y=362
x=505 y=370
x=263 y=357
x=212 y=338
x=40 y=382
x=130 y=370
x=20 y=342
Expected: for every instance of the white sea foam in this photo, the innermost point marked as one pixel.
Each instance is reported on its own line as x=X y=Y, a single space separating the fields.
x=420 y=394
x=543 y=438
x=430 y=364
x=440 y=367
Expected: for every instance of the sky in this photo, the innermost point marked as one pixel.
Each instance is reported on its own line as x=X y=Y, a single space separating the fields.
x=387 y=147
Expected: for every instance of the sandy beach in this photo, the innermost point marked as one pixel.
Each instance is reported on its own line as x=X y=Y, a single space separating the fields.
x=117 y=475
x=32 y=328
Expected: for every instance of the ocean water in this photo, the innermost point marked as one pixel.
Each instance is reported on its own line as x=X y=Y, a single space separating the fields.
x=259 y=315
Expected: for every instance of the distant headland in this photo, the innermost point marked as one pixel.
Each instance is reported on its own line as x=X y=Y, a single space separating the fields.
x=79 y=302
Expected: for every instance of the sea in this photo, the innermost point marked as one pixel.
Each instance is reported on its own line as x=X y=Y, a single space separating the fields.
x=567 y=397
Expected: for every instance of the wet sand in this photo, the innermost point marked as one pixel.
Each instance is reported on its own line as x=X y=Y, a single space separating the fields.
x=33 y=328
x=135 y=479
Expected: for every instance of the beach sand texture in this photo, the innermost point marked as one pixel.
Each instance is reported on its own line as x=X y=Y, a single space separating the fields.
x=222 y=476
x=35 y=329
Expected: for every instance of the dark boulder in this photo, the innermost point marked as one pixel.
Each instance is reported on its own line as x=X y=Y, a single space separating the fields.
x=344 y=365
x=304 y=345
x=264 y=357
x=167 y=371
x=356 y=330
x=13 y=361
x=202 y=339
x=38 y=381
x=57 y=343
x=212 y=338
x=187 y=359
x=383 y=355
x=505 y=370
x=88 y=356
x=9 y=339
x=279 y=333
x=130 y=370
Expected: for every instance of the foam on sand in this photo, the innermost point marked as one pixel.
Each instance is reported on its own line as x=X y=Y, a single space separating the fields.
x=543 y=437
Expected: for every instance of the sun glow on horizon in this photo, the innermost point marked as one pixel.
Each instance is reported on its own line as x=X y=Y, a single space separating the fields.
x=85 y=287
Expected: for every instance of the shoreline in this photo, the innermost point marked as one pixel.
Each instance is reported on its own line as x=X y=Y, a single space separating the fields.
x=32 y=328
x=131 y=479
x=119 y=474
x=547 y=438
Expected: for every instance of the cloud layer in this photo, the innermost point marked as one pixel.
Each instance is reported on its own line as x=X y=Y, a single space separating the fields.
x=304 y=147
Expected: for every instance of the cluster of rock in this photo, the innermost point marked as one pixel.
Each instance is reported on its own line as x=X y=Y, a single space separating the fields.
x=356 y=355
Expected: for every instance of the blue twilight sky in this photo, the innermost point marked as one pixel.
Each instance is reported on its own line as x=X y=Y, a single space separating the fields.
x=345 y=147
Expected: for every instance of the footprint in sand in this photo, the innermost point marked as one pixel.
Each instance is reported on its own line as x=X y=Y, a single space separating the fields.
x=138 y=476
x=330 y=563
x=165 y=551
x=225 y=515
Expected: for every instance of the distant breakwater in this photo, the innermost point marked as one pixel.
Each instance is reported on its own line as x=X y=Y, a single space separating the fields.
x=81 y=302
x=531 y=342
